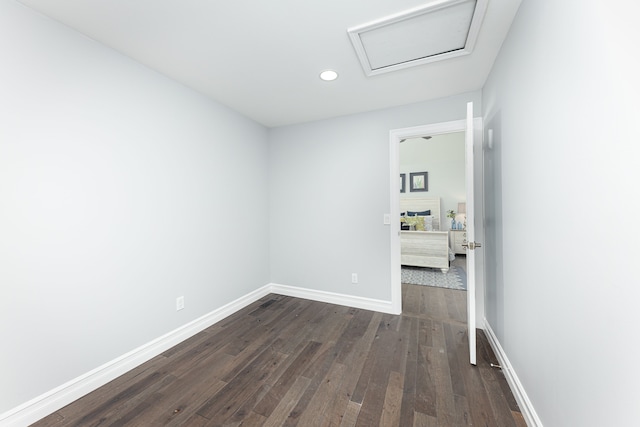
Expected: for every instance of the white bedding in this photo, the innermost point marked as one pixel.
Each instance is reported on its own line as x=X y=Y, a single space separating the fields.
x=428 y=248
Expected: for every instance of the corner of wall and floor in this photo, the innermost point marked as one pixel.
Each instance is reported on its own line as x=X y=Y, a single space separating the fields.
x=53 y=400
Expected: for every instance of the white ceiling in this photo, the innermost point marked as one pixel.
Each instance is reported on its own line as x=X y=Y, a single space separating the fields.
x=262 y=58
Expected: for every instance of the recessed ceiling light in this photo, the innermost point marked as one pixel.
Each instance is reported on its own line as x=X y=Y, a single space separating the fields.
x=328 y=75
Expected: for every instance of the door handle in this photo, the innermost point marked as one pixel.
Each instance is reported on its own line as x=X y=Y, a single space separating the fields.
x=472 y=245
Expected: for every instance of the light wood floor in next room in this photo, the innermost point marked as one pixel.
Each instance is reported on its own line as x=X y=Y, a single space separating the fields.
x=286 y=361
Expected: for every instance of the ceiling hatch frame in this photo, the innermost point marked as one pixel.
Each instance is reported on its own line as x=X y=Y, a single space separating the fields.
x=357 y=33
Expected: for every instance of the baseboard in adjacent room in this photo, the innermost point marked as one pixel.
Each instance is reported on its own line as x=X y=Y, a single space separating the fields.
x=528 y=412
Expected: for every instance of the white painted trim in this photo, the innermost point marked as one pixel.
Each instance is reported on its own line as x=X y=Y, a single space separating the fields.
x=334 y=298
x=396 y=268
x=395 y=135
x=472 y=35
x=51 y=401
x=528 y=411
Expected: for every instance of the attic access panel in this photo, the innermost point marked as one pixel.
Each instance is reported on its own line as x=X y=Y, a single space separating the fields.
x=437 y=31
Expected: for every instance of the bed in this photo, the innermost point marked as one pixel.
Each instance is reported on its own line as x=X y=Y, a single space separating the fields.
x=429 y=248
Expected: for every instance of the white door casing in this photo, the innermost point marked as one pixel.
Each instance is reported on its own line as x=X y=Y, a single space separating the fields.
x=394 y=154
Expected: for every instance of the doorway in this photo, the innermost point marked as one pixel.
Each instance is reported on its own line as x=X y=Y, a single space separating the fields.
x=394 y=146
x=439 y=160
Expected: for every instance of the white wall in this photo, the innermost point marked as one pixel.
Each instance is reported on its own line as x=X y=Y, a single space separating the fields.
x=329 y=189
x=562 y=100
x=120 y=190
x=442 y=157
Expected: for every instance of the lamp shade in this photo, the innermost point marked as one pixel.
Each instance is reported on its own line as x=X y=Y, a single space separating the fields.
x=462 y=208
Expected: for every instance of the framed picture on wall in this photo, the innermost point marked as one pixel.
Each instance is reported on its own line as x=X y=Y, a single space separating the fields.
x=403 y=180
x=418 y=181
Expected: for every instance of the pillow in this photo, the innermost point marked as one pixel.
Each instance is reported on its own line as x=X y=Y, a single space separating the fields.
x=416 y=221
x=422 y=213
x=428 y=223
x=419 y=222
x=403 y=213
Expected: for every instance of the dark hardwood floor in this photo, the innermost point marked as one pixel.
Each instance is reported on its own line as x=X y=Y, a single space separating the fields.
x=286 y=361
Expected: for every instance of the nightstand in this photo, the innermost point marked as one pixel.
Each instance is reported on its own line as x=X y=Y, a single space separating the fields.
x=456 y=239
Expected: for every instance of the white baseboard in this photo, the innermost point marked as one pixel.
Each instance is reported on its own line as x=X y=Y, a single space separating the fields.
x=528 y=412
x=53 y=400
x=49 y=402
x=334 y=298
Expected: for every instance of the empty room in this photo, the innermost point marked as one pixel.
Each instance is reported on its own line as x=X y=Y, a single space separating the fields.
x=208 y=214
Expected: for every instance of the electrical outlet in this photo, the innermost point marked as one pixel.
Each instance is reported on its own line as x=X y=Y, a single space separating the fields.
x=179 y=303
x=354 y=277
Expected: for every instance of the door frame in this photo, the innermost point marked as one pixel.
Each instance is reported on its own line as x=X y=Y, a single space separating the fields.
x=395 y=135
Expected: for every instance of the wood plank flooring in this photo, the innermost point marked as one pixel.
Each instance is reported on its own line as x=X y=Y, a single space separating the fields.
x=286 y=361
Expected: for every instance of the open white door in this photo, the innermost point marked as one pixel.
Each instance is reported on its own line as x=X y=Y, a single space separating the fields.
x=471 y=243
x=469 y=126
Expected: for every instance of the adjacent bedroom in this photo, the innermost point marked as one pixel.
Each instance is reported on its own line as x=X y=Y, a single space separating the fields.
x=432 y=211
